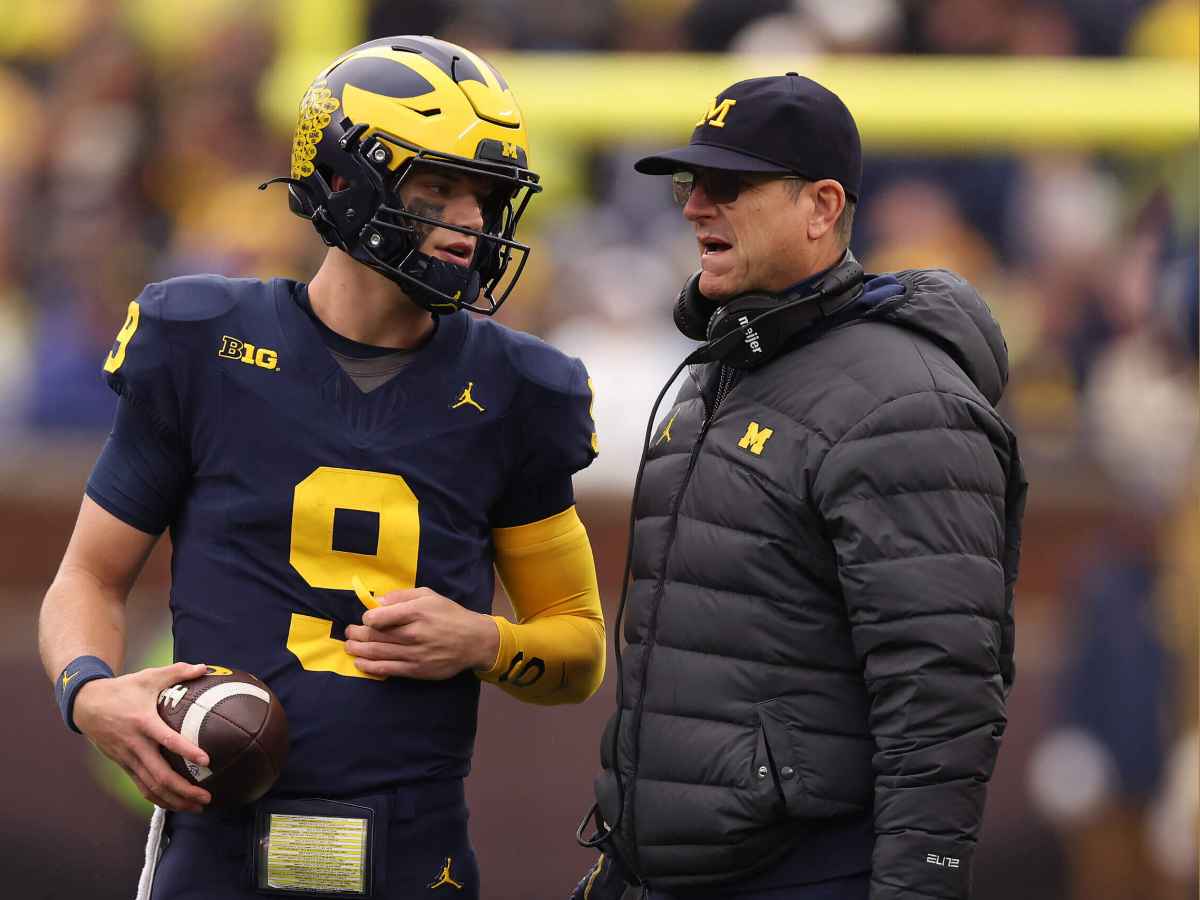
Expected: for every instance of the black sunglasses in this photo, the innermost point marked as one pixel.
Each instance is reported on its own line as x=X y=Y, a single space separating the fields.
x=720 y=185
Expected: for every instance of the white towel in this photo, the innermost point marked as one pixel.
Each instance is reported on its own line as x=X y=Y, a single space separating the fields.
x=153 y=852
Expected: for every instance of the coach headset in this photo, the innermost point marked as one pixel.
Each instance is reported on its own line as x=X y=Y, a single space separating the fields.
x=765 y=323
x=745 y=333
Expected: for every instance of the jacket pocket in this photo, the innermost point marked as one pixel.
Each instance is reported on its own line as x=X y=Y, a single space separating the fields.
x=764 y=779
x=817 y=774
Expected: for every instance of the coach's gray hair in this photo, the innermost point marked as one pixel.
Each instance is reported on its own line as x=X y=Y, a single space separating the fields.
x=844 y=226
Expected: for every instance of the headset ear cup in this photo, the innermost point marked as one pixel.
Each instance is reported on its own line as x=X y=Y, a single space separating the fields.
x=718 y=324
x=748 y=352
x=693 y=310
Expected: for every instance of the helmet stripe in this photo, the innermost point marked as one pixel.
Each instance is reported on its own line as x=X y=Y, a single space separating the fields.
x=489 y=74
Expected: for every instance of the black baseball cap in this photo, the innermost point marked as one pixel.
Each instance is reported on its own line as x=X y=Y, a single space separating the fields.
x=784 y=123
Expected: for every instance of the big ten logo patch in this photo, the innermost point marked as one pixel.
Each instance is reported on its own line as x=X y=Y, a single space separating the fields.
x=244 y=351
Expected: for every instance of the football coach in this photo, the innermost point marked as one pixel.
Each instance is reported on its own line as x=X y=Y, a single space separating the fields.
x=826 y=529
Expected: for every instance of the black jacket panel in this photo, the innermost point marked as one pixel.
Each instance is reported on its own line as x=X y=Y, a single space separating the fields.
x=820 y=618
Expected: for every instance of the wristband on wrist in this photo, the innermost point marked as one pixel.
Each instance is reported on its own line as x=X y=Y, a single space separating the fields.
x=75 y=675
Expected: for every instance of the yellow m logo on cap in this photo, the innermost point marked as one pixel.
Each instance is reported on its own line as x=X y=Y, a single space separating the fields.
x=755 y=438
x=716 y=116
x=509 y=150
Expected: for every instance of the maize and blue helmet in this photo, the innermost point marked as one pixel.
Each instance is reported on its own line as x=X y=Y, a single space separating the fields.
x=379 y=110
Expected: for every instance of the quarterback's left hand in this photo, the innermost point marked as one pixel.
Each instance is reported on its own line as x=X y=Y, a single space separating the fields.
x=419 y=633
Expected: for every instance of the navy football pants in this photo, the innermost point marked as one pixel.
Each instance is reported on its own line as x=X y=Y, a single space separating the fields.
x=854 y=887
x=208 y=856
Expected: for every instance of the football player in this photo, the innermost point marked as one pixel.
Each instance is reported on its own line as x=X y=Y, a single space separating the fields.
x=343 y=465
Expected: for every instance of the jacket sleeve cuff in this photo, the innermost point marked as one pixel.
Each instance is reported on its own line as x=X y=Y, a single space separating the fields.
x=916 y=864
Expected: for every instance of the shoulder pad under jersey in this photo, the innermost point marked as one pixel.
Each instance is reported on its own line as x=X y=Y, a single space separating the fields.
x=151 y=344
x=554 y=403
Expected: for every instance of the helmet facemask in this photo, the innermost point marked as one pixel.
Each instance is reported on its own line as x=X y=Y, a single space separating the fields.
x=390 y=240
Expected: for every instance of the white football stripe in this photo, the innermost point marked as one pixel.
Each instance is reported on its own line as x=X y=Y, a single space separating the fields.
x=194 y=717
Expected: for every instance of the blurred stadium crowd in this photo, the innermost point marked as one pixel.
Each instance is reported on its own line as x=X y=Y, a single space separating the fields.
x=135 y=136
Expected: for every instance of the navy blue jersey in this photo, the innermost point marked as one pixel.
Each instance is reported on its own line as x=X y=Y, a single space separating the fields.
x=296 y=483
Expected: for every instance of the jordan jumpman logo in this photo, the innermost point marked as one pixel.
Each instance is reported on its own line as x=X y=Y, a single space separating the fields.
x=444 y=878
x=465 y=398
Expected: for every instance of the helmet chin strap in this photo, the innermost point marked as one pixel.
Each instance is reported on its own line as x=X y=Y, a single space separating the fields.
x=457 y=282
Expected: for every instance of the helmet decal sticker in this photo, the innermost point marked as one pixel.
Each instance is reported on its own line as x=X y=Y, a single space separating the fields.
x=316 y=111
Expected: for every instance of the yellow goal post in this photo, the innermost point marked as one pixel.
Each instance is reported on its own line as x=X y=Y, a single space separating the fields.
x=983 y=104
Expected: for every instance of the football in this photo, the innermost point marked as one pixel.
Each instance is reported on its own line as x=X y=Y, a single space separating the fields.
x=236 y=719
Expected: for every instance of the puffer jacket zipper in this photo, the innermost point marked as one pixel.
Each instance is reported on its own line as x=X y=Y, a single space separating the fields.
x=726 y=378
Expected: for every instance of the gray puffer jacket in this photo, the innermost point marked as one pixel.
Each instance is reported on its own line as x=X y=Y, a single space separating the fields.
x=821 y=617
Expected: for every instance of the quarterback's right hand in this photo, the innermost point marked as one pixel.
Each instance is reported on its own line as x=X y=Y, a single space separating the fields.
x=604 y=881
x=120 y=716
